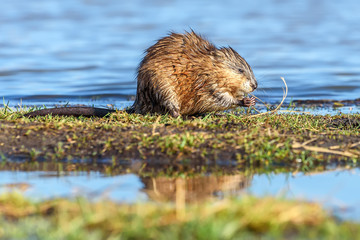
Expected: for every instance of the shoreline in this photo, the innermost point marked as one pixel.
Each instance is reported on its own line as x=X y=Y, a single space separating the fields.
x=233 y=139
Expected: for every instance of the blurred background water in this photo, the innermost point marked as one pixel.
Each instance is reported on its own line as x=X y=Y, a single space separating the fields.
x=87 y=51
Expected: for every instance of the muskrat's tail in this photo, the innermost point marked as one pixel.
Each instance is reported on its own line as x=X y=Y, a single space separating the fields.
x=72 y=111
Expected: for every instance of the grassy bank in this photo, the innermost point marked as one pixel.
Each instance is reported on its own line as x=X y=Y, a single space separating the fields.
x=231 y=139
x=245 y=218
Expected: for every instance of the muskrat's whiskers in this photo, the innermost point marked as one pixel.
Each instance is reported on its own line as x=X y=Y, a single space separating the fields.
x=258 y=99
x=262 y=92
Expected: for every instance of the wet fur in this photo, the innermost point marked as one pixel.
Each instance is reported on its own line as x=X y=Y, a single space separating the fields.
x=184 y=74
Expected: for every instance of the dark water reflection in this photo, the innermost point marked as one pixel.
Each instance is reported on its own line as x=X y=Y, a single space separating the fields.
x=337 y=190
x=86 y=49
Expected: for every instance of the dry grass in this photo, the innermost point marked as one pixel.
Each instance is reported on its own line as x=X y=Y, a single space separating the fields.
x=285 y=92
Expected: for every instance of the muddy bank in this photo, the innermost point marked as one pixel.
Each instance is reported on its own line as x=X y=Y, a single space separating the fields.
x=326 y=103
x=226 y=140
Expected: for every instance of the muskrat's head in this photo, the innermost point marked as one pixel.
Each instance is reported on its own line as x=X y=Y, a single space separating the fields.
x=237 y=70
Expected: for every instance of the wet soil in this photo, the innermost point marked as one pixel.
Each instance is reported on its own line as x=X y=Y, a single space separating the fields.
x=326 y=103
x=160 y=141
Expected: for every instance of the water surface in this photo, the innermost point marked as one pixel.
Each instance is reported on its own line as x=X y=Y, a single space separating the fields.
x=337 y=190
x=77 y=51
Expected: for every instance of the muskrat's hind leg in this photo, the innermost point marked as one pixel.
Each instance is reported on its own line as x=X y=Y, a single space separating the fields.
x=171 y=106
x=174 y=113
x=168 y=100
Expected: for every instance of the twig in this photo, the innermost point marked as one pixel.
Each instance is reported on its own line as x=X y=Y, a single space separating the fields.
x=285 y=92
x=323 y=150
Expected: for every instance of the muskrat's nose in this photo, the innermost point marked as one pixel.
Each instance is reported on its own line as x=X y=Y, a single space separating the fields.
x=254 y=85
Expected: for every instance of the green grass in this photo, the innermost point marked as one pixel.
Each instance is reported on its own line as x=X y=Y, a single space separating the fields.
x=246 y=140
x=245 y=218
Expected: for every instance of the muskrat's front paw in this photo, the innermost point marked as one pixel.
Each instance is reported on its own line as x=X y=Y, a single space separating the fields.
x=248 y=102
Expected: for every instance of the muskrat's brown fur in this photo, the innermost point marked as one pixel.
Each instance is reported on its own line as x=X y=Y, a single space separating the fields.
x=184 y=74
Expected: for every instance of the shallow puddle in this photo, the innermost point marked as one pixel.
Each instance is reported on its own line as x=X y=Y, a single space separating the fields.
x=337 y=190
x=92 y=185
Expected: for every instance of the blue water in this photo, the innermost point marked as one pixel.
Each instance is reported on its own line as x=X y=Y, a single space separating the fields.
x=86 y=51
x=338 y=190
x=92 y=185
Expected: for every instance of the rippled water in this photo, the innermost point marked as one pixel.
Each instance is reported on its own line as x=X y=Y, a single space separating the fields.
x=87 y=51
x=337 y=190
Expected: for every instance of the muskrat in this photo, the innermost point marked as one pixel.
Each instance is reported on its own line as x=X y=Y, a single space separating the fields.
x=183 y=74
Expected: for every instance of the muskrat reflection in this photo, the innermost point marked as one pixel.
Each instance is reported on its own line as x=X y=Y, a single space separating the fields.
x=195 y=189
